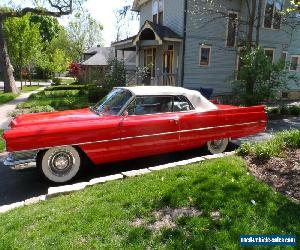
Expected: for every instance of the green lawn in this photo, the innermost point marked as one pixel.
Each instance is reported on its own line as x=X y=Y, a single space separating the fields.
x=6 y=97
x=2 y=144
x=30 y=88
x=101 y=217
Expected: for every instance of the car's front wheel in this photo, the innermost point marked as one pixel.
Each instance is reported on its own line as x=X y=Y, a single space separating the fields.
x=217 y=146
x=60 y=164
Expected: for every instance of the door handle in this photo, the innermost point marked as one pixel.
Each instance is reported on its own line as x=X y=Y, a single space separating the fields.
x=175 y=120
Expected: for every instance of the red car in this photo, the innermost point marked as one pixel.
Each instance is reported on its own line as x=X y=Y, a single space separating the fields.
x=129 y=122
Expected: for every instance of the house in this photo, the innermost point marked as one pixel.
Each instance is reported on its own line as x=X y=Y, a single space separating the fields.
x=181 y=42
x=95 y=62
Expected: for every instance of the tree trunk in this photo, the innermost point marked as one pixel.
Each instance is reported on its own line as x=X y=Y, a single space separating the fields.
x=251 y=23
x=6 y=67
x=259 y=12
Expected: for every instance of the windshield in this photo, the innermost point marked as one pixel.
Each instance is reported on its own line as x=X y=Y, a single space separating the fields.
x=113 y=102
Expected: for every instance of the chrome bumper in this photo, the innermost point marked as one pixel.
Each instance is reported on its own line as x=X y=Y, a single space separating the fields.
x=20 y=158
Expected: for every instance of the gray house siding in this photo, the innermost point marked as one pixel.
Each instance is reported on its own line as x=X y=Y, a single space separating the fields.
x=173 y=14
x=209 y=29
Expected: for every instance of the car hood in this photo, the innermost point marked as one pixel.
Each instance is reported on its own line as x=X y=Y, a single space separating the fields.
x=54 y=118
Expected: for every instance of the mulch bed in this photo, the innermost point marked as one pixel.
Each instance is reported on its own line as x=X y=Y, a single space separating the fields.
x=283 y=174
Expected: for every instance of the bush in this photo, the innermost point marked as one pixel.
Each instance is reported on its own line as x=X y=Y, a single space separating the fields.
x=40 y=109
x=56 y=81
x=96 y=93
x=272 y=147
x=116 y=77
x=66 y=87
x=295 y=110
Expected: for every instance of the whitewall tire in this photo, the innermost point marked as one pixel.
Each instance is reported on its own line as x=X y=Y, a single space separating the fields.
x=60 y=164
x=217 y=146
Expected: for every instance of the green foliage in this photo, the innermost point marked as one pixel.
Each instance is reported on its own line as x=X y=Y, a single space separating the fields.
x=48 y=26
x=84 y=32
x=56 y=81
x=116 y=77
x=259 y=78
x=2 y=142
x=23 y=41
x=283 y=110
x=6 y=97
x=104 y=213
x=62 y=97
x=95 y=93
x=272 y=147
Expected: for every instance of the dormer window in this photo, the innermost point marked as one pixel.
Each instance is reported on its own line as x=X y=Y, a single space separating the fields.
x=158 y=11
x=273 y=11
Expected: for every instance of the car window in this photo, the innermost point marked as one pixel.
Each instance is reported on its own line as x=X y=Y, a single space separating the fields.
x=181 y=103
x=144 y=105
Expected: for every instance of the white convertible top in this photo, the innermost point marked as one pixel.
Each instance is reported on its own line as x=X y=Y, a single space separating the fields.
x=199 y=102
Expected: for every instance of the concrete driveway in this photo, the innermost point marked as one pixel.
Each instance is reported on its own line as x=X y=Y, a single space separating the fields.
x=19 y=185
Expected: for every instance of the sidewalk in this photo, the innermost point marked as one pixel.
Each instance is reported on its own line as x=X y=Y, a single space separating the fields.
x=6 y=108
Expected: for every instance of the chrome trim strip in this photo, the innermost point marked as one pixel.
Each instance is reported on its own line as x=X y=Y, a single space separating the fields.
x=145 y=136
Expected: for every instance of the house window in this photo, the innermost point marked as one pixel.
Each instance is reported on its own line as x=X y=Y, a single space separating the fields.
x=205 y=52
x=158 y=11
x=283 y=56
x=232 y=29
x=270 y=54
x=294 y=63
x=273 y=10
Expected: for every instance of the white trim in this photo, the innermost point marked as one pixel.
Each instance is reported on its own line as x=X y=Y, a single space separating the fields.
x=298 y=61
x=163 y=11
x=271 y=49
x=204 y=46
x=151 y=135
x=236 y=29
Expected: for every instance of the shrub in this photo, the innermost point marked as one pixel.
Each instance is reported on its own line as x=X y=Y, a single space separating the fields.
x=294 y=110
x=39 y=109
x=56 y=81
x=66 y=87
x=96 y=93
x=259 y=79
x=272 y=147
x=116 y=77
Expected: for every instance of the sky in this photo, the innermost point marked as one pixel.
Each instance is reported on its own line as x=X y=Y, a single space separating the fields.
x=101 y=10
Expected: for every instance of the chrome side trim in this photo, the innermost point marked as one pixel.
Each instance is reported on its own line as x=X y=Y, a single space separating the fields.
x=21 y=157
x=145 y=136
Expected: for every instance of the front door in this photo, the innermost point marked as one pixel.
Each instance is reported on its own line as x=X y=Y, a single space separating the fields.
x=149 y=64
x=150 y=127
x=168 y=59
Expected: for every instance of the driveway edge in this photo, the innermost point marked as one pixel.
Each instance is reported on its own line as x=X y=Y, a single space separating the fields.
x=67 y=189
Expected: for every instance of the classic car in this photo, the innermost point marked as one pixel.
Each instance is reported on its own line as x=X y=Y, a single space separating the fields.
x=130 y=122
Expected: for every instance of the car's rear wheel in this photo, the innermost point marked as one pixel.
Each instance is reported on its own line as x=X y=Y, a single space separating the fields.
x=60 y=164
x=217 y=146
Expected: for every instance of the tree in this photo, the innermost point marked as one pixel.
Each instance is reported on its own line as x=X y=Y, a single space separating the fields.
x=260 y=79
x=49 y=27
x=24 y=42
x=84 y=32
x=116 y=76
x=56 y=8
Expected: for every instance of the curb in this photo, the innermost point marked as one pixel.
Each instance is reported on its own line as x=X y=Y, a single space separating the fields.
x=67 y=189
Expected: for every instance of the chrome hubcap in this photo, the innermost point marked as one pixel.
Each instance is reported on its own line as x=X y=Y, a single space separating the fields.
x=61 y=163
x=216 y=144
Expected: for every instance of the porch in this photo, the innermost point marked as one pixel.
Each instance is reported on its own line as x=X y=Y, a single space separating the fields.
x=158 y=54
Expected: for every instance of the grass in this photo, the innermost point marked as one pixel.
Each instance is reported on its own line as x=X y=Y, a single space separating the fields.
x=30 y=88
x=2 y=143
x=100 y=217
x=272 y=147
x=6 y=97
x=61 y=97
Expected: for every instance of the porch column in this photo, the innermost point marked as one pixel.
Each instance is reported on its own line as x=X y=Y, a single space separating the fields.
x=137 y=62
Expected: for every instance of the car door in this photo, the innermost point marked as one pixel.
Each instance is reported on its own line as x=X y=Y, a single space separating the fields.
x=150 y=127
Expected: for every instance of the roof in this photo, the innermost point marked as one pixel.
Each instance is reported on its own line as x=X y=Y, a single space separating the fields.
x=101 y=55
x=162 y=33
x=199 y=102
